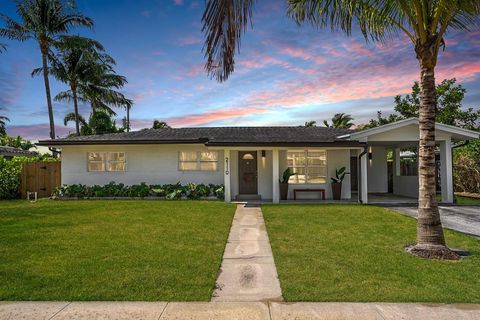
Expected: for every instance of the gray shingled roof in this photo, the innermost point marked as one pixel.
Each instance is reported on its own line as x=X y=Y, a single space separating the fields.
x=221 y=136
x=16 y=152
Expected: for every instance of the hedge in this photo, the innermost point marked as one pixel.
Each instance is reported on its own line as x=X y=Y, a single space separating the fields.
x=166 y=191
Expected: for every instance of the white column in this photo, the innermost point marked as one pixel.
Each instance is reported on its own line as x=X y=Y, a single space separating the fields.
x=446 y=171
x=275 y=177
x=363 y=179
x=397 y=161
x=226 y=175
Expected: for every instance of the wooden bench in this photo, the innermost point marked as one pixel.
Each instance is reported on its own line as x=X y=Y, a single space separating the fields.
x=322 y=192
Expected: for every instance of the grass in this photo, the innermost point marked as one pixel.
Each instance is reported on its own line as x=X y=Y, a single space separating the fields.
x=356 y=253
x=467 y=201
x=111 y=250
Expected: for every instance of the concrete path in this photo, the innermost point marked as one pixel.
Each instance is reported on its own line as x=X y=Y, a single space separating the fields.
x=248 y=270
x=233 y=311
x=465 y=219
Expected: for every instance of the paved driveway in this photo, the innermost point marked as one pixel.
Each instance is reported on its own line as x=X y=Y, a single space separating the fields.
x=465 y=219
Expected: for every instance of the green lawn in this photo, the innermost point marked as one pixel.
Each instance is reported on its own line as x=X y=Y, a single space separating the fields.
x=356 y=253
x=111 y=250
x=465 y=200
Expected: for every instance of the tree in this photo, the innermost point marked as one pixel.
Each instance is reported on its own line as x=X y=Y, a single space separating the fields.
x=309 y=124
x=99 y=88
x=3 y=47
x=424 y=22
x=340 y=121
x=43 y=21
x=160 y=124
x=449 y=107
x=16 y=142
x=99 y=122
x=3 y=123
x=72 y=64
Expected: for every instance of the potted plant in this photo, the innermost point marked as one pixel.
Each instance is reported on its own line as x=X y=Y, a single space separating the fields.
x=284 y=183
x=337 y=183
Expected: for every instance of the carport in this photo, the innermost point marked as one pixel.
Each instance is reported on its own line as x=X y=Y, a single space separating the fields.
x=396 y=143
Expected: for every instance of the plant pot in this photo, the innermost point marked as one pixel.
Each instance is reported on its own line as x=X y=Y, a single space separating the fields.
x=283 y=190
x=337 y=190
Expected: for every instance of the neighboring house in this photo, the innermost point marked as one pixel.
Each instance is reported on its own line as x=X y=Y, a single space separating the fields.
x=10 y=152
x=249 y=161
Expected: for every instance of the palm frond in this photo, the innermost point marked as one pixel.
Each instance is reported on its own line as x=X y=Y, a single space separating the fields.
x=224 y=22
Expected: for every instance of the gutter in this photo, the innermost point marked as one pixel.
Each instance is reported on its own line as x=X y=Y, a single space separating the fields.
x=359 y=170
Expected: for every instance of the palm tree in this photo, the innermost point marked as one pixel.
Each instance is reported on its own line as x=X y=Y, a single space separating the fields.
x=99 y=88
x=43 y=21
x=157 y=124
x=340 y=121
x=3 y=123
x=99 y=122
x=424 y=22
x=309 y=124
x=3 y=47
x=72 y=64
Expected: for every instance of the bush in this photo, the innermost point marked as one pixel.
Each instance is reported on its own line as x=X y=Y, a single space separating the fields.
x=9 y=178
x=168 y=191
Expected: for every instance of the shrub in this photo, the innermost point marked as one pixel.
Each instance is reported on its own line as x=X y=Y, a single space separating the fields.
x=169 y=191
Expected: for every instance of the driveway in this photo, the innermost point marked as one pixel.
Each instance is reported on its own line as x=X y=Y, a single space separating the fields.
x=465 y=219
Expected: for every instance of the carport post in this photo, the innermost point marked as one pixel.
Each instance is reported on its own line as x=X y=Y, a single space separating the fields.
x=446 y=171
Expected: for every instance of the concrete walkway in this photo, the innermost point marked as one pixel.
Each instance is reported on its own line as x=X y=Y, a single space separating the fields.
x=248 y=270
x=233 y=311
x=462 y=218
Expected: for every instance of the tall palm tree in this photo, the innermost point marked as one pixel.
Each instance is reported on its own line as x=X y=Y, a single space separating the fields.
x=43 y=21
x=340 y=121
x=3 y=47
x=157 y=124
x=424 y=22
x=3 y=124
x=72 y=63
x=100 y=89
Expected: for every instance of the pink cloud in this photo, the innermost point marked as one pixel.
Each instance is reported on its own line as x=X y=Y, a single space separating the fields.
x=189 y=40
x=178 y=2
x=303 y=54
x=38 y=131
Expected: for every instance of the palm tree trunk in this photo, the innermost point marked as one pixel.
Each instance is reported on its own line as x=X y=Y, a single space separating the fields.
x=128 y=119
x=75 y=107
x=429 y=227
x=47 y=91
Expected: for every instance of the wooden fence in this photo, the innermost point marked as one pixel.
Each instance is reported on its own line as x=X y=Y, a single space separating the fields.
x=40 y=177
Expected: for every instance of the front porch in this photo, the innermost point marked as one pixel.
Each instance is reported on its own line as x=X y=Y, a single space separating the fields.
x=254 y=174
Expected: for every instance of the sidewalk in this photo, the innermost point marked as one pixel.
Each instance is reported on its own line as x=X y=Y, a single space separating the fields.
x=248 y=271
x=233 y=311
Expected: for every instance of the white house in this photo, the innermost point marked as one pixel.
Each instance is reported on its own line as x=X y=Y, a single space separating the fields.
x=249 y=161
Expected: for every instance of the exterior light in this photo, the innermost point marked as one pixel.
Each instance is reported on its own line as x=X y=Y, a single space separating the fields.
x=264 y=153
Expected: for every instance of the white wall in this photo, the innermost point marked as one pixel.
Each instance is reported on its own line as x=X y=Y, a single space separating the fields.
x=403 y=185
x=377 y=178
x=153 y=164
x=336 y=158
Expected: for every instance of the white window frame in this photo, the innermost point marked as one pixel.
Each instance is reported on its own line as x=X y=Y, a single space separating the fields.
x=306 y=166
x=106 y=161
x=198 y=161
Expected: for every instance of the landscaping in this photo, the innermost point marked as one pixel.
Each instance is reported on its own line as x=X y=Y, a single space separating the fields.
x=120 y=190
x=111 y=250
x=356 y=253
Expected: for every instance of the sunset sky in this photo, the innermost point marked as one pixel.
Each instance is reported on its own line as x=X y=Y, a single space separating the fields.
x=284 y=75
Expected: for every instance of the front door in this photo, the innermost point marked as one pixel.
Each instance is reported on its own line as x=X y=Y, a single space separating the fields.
x=247 y=172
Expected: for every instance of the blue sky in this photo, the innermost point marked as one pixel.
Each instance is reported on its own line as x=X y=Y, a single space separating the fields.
x=284 y=75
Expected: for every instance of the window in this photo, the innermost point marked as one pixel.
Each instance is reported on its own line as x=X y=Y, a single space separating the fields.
x=198 y=161
x=116 y=161
x=309 y=166
x=96 y=161
x=106 y=161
